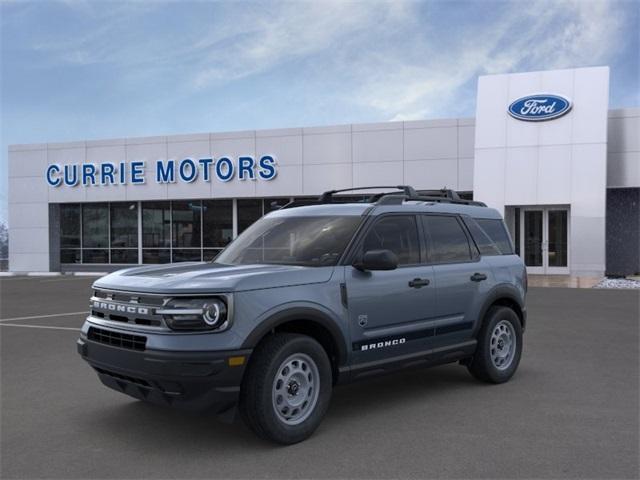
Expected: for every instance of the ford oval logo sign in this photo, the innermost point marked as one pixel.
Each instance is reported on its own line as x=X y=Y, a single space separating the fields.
x=536 y=108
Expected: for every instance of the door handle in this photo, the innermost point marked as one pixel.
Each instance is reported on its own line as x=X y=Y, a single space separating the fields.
x=419 y=282
x=478 y=277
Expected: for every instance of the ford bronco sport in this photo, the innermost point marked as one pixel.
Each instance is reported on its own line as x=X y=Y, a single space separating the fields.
x=313 y=296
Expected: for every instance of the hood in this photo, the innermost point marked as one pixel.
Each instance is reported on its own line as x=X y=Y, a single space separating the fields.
x=198 y=277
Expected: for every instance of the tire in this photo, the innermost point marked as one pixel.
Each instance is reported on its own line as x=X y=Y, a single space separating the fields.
x=501 y=330
x=287 y=372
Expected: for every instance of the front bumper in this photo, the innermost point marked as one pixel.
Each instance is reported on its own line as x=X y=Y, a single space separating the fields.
x=190 y=380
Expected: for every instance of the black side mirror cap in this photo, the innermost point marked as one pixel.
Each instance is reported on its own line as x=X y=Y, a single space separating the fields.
x=377 y=260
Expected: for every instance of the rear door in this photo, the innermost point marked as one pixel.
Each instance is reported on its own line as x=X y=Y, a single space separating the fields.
x=461 y=277
x=389 y=311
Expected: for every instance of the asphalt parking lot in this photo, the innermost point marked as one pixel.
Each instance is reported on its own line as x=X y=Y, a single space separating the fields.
x=571 y=411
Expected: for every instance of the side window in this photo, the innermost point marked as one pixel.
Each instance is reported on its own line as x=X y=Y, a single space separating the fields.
x=447 y=241
x=398 y=234
x=497 y=232
x=484 y=243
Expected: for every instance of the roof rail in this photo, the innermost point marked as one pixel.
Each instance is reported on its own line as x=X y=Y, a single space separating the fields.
x=397 y=199
x=401 y=194
x=327 y=196
x=443 y=192
x=443 y=195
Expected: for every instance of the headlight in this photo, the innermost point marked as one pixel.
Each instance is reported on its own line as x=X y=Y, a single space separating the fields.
x=195 y=314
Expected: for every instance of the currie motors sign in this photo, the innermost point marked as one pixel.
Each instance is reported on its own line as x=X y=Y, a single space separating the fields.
x=540 y=107
x=187 y=170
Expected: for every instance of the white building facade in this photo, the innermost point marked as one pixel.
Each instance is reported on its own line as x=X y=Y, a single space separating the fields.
x=544 y=149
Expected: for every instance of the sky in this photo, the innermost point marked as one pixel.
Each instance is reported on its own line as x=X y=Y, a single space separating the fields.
x=78 y=70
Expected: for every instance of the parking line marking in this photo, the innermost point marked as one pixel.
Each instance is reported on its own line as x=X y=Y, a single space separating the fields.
x=64 y=279
x=38 y=326
x=36 y=317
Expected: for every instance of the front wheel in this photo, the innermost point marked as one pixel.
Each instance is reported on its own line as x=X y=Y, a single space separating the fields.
x=499 y=346
x=287 y=388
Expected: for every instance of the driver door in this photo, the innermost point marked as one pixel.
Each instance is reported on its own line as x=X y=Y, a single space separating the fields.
x=389 y=311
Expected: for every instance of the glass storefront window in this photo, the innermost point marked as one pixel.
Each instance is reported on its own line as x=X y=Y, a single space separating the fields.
x=125 y=255
x=171 y=231
x=156 y=224
x=95 y=256
x=208 y=254
x=124 y=225
x=249 y=210
x=156 y=255
x=186 y=255
x=271 y=204
x=70 y=255
x=217 y=222
x=95 y=226
x=186 y=223
x=70 y=226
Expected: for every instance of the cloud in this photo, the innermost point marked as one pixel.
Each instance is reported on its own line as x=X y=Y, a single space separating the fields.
x=531 y=36
x=288 y=32
x=398 y=59
x=213 y=43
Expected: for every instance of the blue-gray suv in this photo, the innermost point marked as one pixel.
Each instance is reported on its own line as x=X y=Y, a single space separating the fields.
x=311 y=296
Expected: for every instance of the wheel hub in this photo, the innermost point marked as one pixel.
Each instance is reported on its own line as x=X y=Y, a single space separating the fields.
x=503 y=345
x=295 y=389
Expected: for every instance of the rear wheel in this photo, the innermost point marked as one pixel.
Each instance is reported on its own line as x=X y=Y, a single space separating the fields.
x=499 y=346
x=287 y=388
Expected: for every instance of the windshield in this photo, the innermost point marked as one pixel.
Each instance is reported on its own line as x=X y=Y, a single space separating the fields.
x=309 y=241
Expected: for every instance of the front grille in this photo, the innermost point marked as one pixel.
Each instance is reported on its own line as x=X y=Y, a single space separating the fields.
x=131 y=308
x=117 y=339
x=123 y=297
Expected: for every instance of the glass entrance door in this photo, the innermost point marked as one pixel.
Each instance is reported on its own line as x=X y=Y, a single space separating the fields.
x=544 y=235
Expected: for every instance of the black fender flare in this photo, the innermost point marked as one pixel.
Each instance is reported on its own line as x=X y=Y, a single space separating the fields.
x=305 y=313
x=500 y=292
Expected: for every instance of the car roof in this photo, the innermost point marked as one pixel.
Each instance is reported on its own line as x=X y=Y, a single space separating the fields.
x=413 y=206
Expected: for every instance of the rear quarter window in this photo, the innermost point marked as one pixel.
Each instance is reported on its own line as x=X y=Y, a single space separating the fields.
x=494 y=229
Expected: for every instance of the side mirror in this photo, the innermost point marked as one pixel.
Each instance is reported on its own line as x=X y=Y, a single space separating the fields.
x=377 y=260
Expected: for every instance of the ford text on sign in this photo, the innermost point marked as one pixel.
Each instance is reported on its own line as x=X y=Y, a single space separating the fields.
x=536 y=108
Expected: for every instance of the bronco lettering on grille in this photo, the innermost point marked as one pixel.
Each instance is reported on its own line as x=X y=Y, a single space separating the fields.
x=118 y=307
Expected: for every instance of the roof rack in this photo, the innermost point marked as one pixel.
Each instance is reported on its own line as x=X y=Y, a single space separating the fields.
x=400 y=194
x=327 y=196
x=443 y=195
x=397 y=199
x=443 y=192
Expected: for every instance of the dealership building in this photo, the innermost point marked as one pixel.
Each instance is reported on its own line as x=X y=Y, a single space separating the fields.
x=544 y=149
